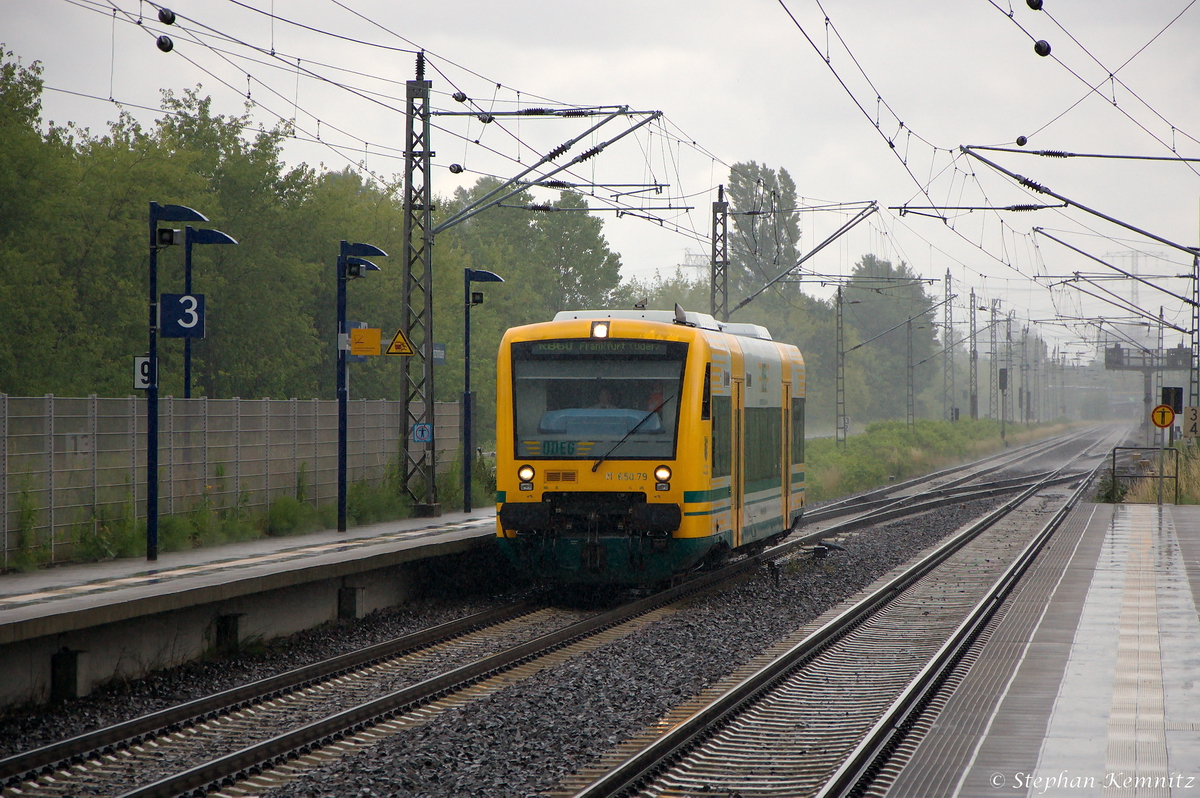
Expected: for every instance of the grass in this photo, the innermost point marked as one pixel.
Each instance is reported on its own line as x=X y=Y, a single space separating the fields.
x=1145 y=490
x=115 y=530
x=890 y=451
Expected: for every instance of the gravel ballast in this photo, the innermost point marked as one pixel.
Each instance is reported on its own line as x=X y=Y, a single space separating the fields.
x=523 y=739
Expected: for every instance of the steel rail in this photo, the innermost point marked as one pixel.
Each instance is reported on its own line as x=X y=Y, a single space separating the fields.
x=75 y=750
x=636 y=769
x=254 y=759
x=1030 y=450
x=871 y=754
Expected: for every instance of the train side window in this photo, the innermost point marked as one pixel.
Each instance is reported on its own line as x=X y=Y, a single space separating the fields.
x=706 y=402
x=798 y=430
x=764 y=434
x=722 y=415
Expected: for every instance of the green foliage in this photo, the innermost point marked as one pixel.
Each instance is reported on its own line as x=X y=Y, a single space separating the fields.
x=890 y=450
x=31 y=550
x=1110 y=489
x=370 y=504
x=290 y=516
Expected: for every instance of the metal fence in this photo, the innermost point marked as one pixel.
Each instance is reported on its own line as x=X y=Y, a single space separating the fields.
x=67 y=462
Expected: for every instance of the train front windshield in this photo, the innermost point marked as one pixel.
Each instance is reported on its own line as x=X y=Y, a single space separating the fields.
x=577 y=399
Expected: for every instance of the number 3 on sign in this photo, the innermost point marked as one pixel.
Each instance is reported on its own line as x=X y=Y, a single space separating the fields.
x=1191 y=422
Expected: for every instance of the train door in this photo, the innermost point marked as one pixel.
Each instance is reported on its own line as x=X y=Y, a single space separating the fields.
x=785 y=470
x=738 y=477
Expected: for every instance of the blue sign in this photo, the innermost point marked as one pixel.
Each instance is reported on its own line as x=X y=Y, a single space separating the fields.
x=422 y=433
x=182 y=316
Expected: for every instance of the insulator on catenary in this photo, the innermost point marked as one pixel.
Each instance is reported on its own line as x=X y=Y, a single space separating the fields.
x=459 y=97
x=1022 y=141
x=1024 y=207
x=456 y=169
x=165 y=44
x=1036 y=5
x=534 y=111
x=166 y=16
x=1030 y=184
x=554 y=184
x=544 y=208
x=1055 y=154
x=1042 y=48
x=486 y=119
x=557 y=151
x=594 y=151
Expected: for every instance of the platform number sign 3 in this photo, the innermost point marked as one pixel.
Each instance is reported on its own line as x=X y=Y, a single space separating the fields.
x=182 y=315
x=1191 y=422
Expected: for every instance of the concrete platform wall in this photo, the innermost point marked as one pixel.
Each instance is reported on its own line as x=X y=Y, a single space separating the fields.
x=133 y=648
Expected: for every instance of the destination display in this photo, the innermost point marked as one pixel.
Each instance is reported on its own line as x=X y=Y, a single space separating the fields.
x=609 y=346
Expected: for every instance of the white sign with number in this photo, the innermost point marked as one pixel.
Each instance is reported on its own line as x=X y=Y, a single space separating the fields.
x=1191 y=422
x=141 y=373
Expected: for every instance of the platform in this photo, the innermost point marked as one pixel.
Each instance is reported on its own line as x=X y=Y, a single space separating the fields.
x=126 y=616
x=1089 y=683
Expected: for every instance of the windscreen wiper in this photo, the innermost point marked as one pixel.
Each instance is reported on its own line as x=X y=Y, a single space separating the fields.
x=635 y=428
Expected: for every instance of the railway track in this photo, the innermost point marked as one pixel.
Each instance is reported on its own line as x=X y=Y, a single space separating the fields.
x=256 y=735
x=820 y=715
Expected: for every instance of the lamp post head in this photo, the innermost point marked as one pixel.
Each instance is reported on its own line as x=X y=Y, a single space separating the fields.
x=483 y=276
x=356 y=266
x=175 y=213
x=362 y=251
x=204 y=236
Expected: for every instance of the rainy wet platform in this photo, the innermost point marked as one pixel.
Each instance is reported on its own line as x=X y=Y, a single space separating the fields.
x=1089 y=683
x=124 y=617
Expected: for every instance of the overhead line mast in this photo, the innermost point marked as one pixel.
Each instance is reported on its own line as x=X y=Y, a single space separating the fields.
x=418 y=458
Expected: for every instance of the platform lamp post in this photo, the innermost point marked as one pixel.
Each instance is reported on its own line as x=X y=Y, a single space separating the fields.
x=158 y=239
x=351 y=265
x=468 y=423
x=192 y=236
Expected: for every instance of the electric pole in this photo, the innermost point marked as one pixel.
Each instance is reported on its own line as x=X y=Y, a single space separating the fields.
x=974 y=364
x=418 y=458
x=841 y=430
x=948 y=353
x=719 y=289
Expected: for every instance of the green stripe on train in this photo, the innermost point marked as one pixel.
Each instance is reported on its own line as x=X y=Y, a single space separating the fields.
x=716 y=494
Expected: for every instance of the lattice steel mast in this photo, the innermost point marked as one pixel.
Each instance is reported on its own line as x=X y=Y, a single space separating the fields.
x=418 y=458
x=719 y=289
x=948 y=353
x=994 y=369
x=973 y=379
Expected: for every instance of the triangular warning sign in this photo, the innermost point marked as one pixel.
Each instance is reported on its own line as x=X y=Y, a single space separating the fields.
x=400 y=345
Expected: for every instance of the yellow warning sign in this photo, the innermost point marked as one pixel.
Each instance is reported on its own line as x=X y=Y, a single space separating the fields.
x=400 y=345
x=365 y=341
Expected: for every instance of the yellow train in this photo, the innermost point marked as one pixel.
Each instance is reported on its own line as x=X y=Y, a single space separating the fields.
x=635 y=445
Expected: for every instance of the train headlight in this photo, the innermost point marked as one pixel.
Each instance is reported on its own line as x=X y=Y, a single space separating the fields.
x=599 y=329
x=662 y=478
x=525 y=473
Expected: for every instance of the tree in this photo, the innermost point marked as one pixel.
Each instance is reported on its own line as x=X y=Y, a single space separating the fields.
x=878 y=297
x=764 y=230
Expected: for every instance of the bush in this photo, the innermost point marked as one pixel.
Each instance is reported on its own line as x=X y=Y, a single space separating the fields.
x=288 y=516
x=369 y=504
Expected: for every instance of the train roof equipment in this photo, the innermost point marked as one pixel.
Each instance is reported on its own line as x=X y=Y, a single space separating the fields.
x=691 y=318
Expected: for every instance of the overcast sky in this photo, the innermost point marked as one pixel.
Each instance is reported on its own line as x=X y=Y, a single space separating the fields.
x=743 y=81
